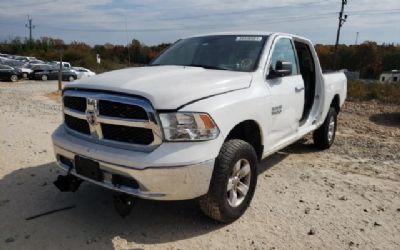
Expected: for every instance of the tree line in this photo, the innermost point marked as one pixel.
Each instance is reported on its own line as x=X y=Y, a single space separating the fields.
x=83 y=55
x=369 y=58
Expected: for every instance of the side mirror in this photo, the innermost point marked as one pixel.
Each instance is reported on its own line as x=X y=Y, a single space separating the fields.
x=281 y=69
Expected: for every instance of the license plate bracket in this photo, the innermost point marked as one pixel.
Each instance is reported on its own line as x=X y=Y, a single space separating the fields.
x=88 y=168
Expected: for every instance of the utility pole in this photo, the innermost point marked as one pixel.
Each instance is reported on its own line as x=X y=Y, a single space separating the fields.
x=342 y=20
x=60 y=72
x=357 y=37
x=30 y=27
x=127 y=40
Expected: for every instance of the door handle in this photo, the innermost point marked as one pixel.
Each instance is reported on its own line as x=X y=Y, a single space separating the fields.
x=298 y=89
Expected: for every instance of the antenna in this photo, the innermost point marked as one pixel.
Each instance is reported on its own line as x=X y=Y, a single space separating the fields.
x=127 y=40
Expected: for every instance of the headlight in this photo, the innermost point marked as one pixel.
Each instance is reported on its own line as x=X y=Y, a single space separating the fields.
x=184 y=126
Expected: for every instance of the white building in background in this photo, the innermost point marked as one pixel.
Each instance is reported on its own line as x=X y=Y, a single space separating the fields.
x=390 y=77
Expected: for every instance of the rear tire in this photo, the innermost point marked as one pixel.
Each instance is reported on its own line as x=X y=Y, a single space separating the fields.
x=44 y=78
x=233 y=182
x=324 y=136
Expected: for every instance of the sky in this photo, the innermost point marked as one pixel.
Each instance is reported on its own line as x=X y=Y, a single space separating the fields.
x=156 y=21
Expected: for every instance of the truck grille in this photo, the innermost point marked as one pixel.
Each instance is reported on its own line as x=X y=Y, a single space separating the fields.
x=122 y=121
x=75 y=103
x=77 y=124
x=109 y=108
x=127 y=134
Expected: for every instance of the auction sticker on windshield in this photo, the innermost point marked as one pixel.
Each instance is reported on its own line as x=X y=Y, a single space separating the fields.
x=249 y=38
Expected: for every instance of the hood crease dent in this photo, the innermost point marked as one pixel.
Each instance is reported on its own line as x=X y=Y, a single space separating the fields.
x=167 y=87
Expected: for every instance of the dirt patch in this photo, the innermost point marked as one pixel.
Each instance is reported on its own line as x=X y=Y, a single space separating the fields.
x=347 y=197
x=54 y=96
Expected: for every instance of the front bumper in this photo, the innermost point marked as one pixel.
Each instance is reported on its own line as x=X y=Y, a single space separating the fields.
x=158 y=175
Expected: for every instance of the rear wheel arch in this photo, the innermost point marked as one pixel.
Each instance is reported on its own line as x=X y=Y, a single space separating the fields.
x=336 y=103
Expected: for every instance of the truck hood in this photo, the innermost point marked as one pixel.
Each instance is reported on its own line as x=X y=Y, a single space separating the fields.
x=167 y=87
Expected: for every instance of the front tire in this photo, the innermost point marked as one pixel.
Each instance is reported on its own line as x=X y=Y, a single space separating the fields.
x=44 y=78
x=233 y=182
x=71 y=78
x=324 y=136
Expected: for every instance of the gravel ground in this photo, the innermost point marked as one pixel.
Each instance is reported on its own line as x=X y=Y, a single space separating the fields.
x=347 y=197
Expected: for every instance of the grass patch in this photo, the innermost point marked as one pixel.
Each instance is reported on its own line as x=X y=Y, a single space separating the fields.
x=386 y=93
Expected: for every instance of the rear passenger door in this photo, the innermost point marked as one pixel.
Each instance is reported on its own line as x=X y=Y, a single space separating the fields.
x=286 y=91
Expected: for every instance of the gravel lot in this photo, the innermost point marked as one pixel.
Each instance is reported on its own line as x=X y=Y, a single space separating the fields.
x=345 y=198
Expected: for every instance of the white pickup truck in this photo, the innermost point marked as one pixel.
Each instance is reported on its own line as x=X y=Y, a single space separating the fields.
x=195 y=123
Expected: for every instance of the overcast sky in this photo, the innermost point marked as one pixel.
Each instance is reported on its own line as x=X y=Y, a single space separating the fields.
x=156 y=21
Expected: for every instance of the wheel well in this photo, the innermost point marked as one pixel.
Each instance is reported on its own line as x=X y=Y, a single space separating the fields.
x=336 y=103
x=248 y=131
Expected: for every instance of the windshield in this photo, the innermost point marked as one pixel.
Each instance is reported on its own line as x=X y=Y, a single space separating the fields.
x=224 y=52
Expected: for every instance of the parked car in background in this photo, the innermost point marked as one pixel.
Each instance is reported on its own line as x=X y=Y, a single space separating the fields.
x=10 y=62
x=64 y=64
x=24 y=58
x=19 y=65
x=5 y=55
x=26 y=69
x=39 y=68
x=2 y=58
x=82 y=72
x=8 y=73
x=36 y=62
x=52 y=74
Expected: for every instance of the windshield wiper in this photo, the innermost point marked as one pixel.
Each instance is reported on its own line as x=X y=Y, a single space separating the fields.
x=205 y=66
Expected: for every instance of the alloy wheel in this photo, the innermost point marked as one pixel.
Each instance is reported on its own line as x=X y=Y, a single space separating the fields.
x=331 y=129
x=239 y=183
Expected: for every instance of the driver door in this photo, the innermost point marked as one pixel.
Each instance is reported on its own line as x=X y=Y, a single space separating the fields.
x=286 y=91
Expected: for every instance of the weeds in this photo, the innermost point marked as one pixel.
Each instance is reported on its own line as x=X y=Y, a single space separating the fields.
x=386 y=93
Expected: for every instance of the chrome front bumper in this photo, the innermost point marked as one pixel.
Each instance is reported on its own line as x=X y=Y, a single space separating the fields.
x=167 y=183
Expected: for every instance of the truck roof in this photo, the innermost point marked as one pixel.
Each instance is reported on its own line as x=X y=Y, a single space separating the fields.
x=242 y=33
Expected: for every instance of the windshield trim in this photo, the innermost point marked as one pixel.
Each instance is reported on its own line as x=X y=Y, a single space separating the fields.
x=257 y=64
